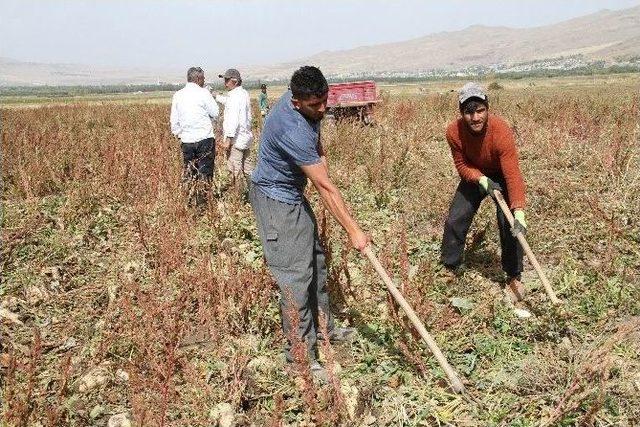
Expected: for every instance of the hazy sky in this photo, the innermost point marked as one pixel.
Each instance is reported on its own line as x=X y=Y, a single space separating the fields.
x=175 y=34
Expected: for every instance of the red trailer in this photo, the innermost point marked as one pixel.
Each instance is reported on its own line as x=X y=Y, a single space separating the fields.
x=353 y=99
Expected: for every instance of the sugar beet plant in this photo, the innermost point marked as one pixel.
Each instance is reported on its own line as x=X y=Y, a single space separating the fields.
x=120 y=297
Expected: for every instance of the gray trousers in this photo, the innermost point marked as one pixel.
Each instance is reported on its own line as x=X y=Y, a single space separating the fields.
x=289 y=235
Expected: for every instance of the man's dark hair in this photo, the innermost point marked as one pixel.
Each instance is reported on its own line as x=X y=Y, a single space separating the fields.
x=471 y=105
x=308 y=81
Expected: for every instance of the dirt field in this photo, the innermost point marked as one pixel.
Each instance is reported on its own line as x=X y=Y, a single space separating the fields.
x=118 y=298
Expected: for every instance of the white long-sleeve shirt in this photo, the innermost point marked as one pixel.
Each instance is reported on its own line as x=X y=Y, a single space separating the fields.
x=237 y=118
x=192 y=109
x=222 y=99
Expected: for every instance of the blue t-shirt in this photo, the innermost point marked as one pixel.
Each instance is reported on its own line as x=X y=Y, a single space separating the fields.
x=288 y=141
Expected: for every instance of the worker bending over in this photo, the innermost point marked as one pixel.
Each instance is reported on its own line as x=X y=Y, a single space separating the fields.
x=485 y=155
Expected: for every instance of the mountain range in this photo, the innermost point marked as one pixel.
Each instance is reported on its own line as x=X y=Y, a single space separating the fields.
x=603 y=36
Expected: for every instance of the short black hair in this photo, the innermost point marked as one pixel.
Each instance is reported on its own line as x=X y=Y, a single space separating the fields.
x=471 y=105
x=308 y=81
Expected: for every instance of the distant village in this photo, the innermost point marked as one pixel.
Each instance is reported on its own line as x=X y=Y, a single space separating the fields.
x=565 y=65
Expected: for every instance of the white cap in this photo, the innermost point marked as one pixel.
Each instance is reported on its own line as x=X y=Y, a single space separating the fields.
x=471 y=90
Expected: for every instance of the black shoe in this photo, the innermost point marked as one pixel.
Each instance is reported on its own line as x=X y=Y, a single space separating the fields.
x=452 y=273
x=338 y=335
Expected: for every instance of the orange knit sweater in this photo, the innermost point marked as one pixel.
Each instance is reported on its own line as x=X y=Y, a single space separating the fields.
x=492 y=153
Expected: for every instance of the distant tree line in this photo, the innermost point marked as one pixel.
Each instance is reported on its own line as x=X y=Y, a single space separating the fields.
x=578 y=71
x=66 y=91
x=78 y=90
x=516 y=75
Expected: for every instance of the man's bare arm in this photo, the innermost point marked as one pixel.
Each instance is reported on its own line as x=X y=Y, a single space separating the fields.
x=333 y=201
x=322 y=154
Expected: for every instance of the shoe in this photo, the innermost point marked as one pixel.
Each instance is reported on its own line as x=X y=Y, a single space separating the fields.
x=514 y=290
x=451 y=273
x=339 y=335
x=319 y=372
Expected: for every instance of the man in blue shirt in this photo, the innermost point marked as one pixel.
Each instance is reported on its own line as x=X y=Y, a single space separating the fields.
x=290 y=153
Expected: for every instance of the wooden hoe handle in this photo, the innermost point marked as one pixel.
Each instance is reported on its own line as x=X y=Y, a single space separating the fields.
x=527 y=250
x=456 y=384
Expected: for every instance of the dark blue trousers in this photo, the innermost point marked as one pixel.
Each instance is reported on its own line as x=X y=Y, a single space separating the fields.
x=198 y=159
x=464 y=206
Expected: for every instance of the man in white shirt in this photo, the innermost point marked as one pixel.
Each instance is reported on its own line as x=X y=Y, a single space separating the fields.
x=236 y=125
x=192 y=110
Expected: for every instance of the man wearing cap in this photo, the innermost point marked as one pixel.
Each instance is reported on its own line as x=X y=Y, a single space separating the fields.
x=290 y=153
x=236 y=126
x=192 y=109
x=485 y=155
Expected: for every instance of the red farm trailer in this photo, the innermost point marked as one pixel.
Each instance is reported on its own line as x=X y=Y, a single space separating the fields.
x=353 y=99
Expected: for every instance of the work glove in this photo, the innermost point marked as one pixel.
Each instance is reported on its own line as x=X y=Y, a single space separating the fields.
x=487 y=186
x=519 y=223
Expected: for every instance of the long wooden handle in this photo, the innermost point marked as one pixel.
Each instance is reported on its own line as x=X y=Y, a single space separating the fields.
x=527 y=250
x=456 y=384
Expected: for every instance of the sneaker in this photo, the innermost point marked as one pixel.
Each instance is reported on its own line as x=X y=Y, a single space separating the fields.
x=339 y=335
x=514 y=290
x=319 y=372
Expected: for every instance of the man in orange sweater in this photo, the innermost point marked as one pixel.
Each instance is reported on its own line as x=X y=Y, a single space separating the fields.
x=485 y=155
